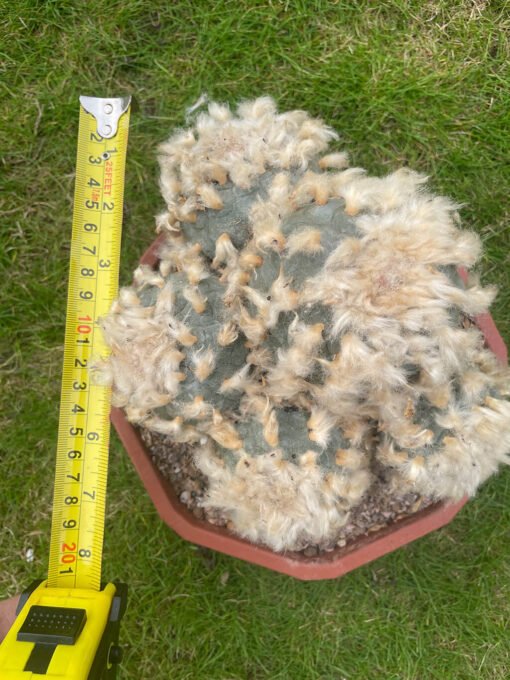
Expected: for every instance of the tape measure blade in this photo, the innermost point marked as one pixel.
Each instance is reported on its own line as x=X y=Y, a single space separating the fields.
x=79 y=501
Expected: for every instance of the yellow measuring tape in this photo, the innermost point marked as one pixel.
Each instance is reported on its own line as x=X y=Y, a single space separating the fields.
x=84 y=427
x=67 y=626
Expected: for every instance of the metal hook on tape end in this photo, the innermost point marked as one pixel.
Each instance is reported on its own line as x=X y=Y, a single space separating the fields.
x=107 y=112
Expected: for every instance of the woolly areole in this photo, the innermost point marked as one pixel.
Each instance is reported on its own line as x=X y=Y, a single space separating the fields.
x=306 y=325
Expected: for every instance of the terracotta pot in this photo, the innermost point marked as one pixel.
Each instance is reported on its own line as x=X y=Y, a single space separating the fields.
x=328 y=565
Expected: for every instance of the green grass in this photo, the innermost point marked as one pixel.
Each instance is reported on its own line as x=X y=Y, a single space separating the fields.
x=404 y=81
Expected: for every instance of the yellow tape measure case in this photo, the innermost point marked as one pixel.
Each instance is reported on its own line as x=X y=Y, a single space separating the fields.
x=65 y=633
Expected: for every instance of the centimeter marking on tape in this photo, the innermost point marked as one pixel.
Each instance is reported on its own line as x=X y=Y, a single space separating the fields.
x=79 y=499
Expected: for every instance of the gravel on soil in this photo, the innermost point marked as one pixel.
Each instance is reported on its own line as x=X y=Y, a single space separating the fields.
x=378 y=509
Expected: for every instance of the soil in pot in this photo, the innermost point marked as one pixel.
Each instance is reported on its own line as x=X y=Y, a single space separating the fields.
x=379 y=509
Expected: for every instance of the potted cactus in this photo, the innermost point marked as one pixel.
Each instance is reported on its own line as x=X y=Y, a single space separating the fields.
x=303 y=333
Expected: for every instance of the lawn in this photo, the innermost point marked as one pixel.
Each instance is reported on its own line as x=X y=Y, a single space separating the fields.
x=404 y=82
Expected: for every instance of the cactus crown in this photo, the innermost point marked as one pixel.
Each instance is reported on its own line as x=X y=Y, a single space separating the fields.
x=305 y=324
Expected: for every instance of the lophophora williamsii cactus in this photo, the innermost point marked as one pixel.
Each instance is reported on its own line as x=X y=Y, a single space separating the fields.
x=306 y=326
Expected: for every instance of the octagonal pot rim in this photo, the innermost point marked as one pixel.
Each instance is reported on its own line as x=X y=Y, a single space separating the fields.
x=326 y=565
